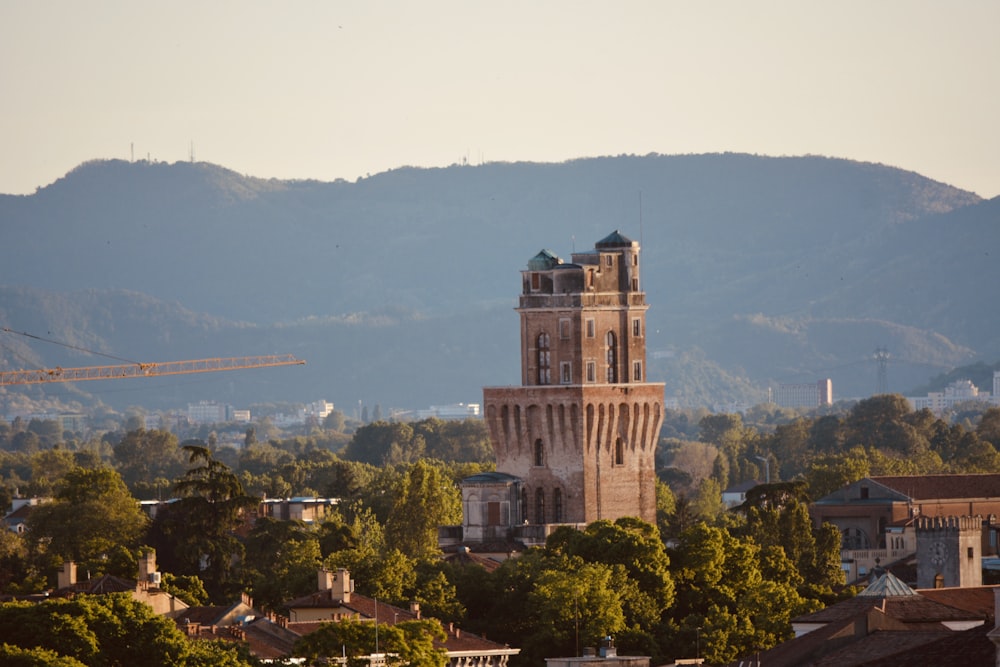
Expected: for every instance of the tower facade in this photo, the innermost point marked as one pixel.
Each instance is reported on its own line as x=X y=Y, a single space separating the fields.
x=580 y=432
x=949 y=551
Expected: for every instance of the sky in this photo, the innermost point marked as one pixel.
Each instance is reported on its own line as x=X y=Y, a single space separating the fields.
x=340 y=89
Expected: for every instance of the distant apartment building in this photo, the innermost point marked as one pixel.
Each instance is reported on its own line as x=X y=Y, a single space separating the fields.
x=314 y=412
x=318 y=410
x=453 y=411
x=805 y=395
x=959 y=391
x=207 y=412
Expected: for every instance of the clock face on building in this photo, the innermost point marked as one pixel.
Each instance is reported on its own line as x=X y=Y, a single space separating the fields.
x=938 y=553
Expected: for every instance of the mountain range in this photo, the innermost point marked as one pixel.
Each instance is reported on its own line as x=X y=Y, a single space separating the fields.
x=398 y=289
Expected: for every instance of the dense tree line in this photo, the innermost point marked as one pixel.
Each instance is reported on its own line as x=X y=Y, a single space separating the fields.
x=702 y=579
x=880 y=435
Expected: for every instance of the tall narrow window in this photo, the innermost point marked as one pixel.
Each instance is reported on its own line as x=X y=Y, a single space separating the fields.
x=523 y=509
x=636 y=371
x=539 y=453
x=544 y=372
x=636 y=328
x=591 y=371
x=536 y=282
x=539 y=506
x=566 y=372
x=612 y=357
x=557 y=510
x=564 y=328
x=619 y=452
x=590 y=327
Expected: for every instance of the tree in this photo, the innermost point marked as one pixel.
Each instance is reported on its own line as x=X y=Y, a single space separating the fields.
x=335 y=421
x=634 y=545
x=435 y=594
x=409 y=643
x=185 y=587
x=201 y=525
x=573 y=604
x=721 y=588
x=144 y=456
x=989 y=426
x=373 y=443
x=707 y=502
x=424 y=499
x=282 y=558
x=550 y=603
x=14 y=656
x=110 y=630
x=91 y=514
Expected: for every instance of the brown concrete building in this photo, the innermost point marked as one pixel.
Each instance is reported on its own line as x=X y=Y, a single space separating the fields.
x=575 y=442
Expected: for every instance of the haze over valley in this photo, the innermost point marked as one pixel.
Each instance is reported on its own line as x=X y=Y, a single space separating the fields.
x=398 y=289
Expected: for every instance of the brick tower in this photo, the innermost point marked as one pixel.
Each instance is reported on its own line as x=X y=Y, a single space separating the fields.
x=580 y=432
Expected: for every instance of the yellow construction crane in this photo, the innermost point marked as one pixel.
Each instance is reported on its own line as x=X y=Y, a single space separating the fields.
x=141 y=370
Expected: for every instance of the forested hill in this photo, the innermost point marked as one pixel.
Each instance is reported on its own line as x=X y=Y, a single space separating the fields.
x=398 y=288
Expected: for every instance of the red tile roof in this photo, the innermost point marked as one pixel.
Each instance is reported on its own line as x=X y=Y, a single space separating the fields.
x=931 y=487
x=971 y=648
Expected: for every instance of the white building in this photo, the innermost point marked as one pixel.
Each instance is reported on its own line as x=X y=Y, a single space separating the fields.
x=207 y=412
x=959 y=391
x=806 y=395
x=453 y=411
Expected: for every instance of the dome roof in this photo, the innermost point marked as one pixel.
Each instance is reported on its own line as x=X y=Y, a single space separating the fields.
x=543 y=261
x=615 y=240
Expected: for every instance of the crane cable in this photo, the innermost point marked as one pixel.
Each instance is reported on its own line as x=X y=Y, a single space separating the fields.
x=72 y=347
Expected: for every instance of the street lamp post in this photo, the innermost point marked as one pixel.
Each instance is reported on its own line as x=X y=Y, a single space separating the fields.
x=767 y=468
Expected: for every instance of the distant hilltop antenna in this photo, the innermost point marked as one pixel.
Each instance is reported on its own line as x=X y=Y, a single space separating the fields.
x=882 y=360
x=191 y=154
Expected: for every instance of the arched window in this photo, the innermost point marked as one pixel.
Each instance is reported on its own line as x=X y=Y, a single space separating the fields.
x=539 y=453
x=539 y=506
x=612 y=357
x=854 y=538
x=557 y=509
x=544 y=359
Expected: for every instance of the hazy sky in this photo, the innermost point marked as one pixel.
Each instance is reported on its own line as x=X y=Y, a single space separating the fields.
x=331 y=89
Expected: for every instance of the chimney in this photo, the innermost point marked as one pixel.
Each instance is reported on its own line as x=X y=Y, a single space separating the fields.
x=325 y=579
x=67 y=575
x=147 y=566
x=415 y=609
x=338 y=584
x=343 y=585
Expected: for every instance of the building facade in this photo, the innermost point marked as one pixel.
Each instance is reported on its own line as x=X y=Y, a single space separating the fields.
x=806 y=395
x=577 y=439
x=956 y=393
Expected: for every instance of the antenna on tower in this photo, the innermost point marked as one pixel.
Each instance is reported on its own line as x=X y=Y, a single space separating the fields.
x=882 y=360
x=191 y=154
